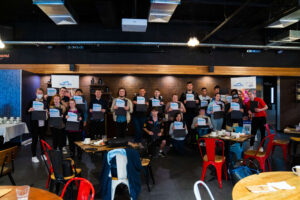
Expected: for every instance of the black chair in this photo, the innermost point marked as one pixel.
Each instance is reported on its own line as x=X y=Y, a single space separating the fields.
x=7 y=157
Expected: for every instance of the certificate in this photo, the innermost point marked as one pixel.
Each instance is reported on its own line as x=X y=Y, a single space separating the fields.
x=235 y=106
x=120 y=103
x=36 y=105
x=97 y=107
x=190 y=97
x=178 y=125
x=78 y=99
x=54 y=112
x=155 y=102
x=51 y=92
x=201 y=121
x=204 y=103
x=223 y=97
x=140 y=100
x=229 y=99
x=216 y=108
x=174 y=106
x=73 y=117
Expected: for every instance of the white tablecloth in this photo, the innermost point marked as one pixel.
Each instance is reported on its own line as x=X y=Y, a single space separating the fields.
x=10 y=131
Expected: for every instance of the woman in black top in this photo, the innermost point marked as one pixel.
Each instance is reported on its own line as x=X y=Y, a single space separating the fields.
x=37 y=126
x=74 y=135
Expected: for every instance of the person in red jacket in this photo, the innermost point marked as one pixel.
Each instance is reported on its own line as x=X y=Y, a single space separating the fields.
x=256 y=109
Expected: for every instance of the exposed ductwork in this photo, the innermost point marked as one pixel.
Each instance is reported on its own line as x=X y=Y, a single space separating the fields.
x=57 y=11
x=288 y=36
x=161 y=11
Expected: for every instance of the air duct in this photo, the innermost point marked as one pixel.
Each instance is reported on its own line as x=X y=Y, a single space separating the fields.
x=161 y=11
x=288 y=36
x=287 y=20
x=57 y=11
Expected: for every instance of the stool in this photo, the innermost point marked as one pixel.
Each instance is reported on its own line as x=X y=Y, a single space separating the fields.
x=146 y=163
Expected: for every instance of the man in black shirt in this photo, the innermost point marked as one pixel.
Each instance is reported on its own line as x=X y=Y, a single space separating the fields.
x=140 y=103
x=191 y=100
x=97 y=125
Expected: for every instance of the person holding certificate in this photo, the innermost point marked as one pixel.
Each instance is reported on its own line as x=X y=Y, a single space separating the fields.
x=64 y=99
x=82 y=105
x=74 y=116
x=191 y=100
x=121 y=108
x=97 y=108
x=178 y=131
x=140 y=103
x=56 y=113
x=37 y=110
x=204 y=98
x=216 y=110
x=157 y=101
x=154 y=128
x=234 y=112
x=202 y=123
x=256 y=109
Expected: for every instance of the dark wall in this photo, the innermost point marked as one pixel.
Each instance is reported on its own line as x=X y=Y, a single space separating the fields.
x=289 y=108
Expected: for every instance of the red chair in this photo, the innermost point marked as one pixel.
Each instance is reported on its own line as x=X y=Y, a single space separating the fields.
x=86 y=189
x=284 y=144
x=261 y=156
x=46 y=148
x=210 y=158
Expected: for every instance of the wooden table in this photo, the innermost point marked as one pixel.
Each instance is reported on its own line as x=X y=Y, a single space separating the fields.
x=85 y=147
x=240 y=192
x=292 y=132
x=34 y=193
x=241 y=139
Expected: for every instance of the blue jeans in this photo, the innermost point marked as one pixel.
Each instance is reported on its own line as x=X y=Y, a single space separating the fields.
x=217 y=123
x=138 y=123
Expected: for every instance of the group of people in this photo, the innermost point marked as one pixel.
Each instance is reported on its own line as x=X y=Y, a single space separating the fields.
x=155 y=121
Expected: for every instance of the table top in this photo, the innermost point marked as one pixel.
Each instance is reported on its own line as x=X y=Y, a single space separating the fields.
x=292 y=132
x=34 y=193
x=242 y=138
x=240 y=192
x=85 y=147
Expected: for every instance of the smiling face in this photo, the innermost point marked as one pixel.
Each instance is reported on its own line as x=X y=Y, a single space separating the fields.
x=189 y=87
x=122 y=93
x=62 y=92
x=178 y=117
x=142 y=92
x=204 y=92
x=98 y=94
x=56 y=100
x=218 y=97
x=174 y=98
x=156 y=93
x=72 y=104
x=154 y=113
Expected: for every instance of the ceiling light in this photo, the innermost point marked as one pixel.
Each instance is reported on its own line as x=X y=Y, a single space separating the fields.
x=193 y=41
x=2 y=45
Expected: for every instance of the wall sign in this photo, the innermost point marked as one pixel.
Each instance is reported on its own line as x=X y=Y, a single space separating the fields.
x=243 y=83
x=68 y=81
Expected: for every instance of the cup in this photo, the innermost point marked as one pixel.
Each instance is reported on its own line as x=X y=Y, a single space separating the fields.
x=296 y=170
x=22 y=192
x=214 y=133
x=87 y=141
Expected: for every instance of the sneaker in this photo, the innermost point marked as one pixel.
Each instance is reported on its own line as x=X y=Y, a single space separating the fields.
x=44 y=156
x=251 y=148
x=35 y=159
x=261 y=149
x=64 y=150
x=162 y=154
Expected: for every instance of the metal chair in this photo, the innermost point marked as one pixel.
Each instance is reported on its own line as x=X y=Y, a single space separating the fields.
x=197 y=192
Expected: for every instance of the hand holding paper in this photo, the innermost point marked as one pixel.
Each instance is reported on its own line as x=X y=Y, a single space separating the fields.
x=73 y=117
x=38 y=106
x=140 y=100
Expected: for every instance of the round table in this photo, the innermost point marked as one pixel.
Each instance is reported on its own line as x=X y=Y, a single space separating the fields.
x=34 y=193
x=240 y=192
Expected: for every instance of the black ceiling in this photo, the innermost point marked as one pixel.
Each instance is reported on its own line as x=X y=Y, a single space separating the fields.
x=97 y=18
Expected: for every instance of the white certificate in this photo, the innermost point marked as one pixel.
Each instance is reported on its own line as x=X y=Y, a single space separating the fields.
x=216 y=108
x=190 y=97
x=51 y=92
x=120 y=103
x=78 y=99
x=204 y=103
x=229 y=99
x=235 y=106
x=97 y=107
x=54 y=112
x=178 y=125
x=155 y=102
x=140 y=100
x=201 y=121
x=223 y=97
x=174 y=106
x=36 y=105
x=72 y=117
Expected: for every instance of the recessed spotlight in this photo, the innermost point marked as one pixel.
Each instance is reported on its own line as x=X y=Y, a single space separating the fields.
x=193 y=41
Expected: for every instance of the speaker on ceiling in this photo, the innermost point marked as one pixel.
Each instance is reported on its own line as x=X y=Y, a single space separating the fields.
x=211 y=68
x=72 y=67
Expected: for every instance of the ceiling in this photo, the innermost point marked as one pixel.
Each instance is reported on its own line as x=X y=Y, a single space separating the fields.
x=101 y=19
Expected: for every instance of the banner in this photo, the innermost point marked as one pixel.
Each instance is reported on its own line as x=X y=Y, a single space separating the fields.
x=68 y=81
x=243 y=83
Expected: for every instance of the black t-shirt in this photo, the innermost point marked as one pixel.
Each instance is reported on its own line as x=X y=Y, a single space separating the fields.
x=140 y=113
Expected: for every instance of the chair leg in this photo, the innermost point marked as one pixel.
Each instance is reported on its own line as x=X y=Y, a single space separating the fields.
x=151 y=174
x=269 y=164
x=57 y=187
x=146 y=173
x=203 y=171
x=219 y=174
x=11 y=179
x=51 y=185
x=48 y=181
x=225 y=169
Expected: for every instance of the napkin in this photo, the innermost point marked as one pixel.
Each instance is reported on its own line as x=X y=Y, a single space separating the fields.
x=281 y=185
x=260 y=188
x=4 y=192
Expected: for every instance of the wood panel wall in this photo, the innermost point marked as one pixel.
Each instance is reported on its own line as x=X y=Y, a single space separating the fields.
x=154 y=69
